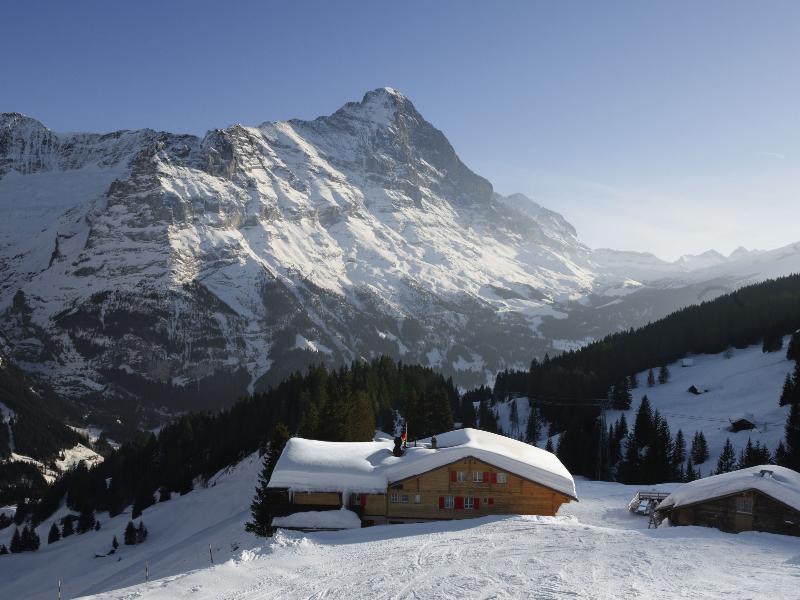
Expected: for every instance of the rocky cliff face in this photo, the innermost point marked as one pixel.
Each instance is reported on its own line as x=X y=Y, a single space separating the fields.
x=170 y=270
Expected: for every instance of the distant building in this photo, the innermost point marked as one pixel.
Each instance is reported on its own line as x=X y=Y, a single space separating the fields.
x=466 y=473
x=763 y=498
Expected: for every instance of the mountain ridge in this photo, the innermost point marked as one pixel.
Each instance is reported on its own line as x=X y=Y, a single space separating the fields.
x=183 y=271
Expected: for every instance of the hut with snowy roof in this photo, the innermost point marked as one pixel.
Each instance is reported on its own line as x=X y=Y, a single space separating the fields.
x=762 y=498
x=462 y=474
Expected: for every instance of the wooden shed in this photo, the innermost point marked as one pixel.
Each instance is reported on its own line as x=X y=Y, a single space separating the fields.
x=468 y=473
x=763 y=498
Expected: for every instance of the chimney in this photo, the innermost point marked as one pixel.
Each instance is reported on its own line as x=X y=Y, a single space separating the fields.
x=433 y=442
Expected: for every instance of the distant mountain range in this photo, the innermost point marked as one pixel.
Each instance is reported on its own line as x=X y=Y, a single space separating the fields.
x=145 y=269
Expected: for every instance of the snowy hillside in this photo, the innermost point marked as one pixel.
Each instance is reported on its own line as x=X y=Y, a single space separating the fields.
x=594 y=548
x=740 y=383
x=136 y=264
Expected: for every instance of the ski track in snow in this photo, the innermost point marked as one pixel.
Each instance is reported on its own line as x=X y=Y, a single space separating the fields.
x=593 y=549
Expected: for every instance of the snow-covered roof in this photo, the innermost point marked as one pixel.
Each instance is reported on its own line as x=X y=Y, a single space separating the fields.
x=369 y=467
x=782 y=484
x=320 y=519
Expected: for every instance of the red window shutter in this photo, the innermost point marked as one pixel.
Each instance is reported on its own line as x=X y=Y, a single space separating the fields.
x=494 y=477
x=486 y=477
x=363 y=500
x=441 y=502
x=453 y=476
x=459 y=503
x=491 y=501
x=477 y=503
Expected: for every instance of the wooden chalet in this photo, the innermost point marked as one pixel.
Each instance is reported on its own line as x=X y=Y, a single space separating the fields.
x=462 y=474
x=764 y=498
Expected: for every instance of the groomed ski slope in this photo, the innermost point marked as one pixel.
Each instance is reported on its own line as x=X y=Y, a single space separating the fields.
x=592 y=549
x=595 y=549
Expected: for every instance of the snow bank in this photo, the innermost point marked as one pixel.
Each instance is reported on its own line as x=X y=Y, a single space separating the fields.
x=322 y=519
x=783 y=485
x=368 y=467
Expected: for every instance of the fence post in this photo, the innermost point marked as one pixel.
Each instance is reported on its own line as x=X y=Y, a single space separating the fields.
x=59 y=589
x=146 y=571
x=210 y=555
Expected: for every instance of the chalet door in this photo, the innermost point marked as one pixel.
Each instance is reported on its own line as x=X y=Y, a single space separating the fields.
x=743 y=522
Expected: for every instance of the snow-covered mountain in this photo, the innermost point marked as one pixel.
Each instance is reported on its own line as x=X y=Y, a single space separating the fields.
x=182 y=271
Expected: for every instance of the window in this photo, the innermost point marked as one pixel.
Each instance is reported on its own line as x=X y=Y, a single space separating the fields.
x=394 y=497
x=485 y=500
x=448 y=502
x=744 y=504
x=461 y=476
x=355 y=499
x=404 y=498
x=417 y=499
x=477 y=476
x=469 y=503
x=502 y=478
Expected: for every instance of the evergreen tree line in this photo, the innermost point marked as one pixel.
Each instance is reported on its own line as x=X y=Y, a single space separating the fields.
x=571 y=389
x=341 y=405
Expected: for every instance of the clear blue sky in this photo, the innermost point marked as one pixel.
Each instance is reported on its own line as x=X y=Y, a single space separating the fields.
x=670 y=127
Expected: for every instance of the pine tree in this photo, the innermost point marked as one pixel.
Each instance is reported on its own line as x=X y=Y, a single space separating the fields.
x=772 y=343
x=3 y=549
x=97 y=525
x=678 y=452
x=54 y=534
x=621 y=395
x=514 y=418
x=792 y=458
x=16 y=542
x=793 y=351
x=663 y=374
x=727 y=460
x=164 y=494
x=788 y=392
x=633 y=382
x=114 y=543
x=86 y=521
x=534 y=427
x=130 y=534
x=68 y=527
x=260 y=508
x=141 y=532
x=651 y=378
x=699 y=449
x=781 y=456
x=549 y=445
x=689 y=474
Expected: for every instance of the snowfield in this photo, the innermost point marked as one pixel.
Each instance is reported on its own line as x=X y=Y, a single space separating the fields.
x=592 y=549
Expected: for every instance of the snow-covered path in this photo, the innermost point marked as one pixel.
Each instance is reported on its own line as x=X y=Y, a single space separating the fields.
x=593 y=549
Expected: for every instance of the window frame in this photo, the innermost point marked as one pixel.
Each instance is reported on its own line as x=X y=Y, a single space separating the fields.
x=744 y=504
x=449 y=502
x=469 y=503
x=417 y=499
x=502 y=478
x=461 y=477
x=394 y=498
x=404 y=499
x=477 y=477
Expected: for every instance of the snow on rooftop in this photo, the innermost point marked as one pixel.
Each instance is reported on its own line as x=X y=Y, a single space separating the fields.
x=778 y=482
x=369 y=467
x=320 y=519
